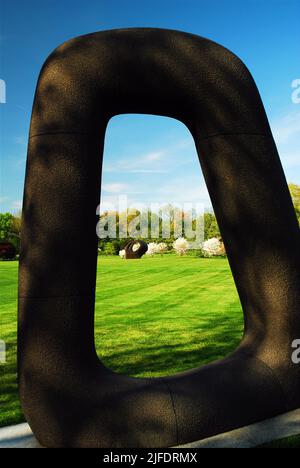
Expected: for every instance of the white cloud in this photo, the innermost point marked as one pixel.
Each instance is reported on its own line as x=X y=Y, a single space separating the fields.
x=286 y=128
x=154 y=156
x=185 y=190
x=17 y=205
x=124 y=167
x=3 y=199
x=115 y=187
x=142 y=163
x=161 y=160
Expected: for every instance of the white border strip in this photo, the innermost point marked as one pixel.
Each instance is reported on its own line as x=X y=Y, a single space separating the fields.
x=285 y=425
x=19 y=436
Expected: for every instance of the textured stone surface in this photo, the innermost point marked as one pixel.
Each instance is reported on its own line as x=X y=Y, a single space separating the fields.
x=68 y=397
x=286 y=425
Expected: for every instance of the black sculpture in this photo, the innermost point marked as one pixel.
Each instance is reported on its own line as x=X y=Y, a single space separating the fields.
x=135 y=249
x=68 y=397
x=7 y=250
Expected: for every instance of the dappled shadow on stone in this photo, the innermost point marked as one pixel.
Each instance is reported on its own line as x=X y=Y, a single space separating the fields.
x=68 y=396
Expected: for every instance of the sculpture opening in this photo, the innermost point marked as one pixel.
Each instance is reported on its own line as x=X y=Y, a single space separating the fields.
x=172 y=312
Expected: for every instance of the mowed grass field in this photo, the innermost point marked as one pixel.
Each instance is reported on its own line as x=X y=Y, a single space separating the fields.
x=154 y=317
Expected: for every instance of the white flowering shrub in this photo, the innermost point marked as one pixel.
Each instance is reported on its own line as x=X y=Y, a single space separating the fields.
x=162 y=247
x=213 y=247
x=152 y=249
x=181 y=245
x=122 y=253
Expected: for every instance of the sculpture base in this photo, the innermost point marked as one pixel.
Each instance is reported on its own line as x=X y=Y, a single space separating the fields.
x=285 y=425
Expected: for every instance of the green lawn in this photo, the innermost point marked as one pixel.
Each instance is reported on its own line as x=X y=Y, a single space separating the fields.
x=154 y=316
x=288 y=442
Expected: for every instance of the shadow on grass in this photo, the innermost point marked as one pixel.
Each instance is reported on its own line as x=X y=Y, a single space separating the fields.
x=9 y=398
x=151 y=354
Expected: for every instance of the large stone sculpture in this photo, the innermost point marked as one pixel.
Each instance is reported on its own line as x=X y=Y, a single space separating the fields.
x=135 y=249
x=68 y=397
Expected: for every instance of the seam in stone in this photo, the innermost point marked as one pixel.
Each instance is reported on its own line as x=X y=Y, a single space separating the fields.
x=265 y=135
x=276 y=378
x=274 y=375
x=198 y=139
x=175 y=415
x=62 y=133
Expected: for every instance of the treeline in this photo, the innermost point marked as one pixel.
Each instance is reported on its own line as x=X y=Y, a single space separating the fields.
x=112 y=245
x=10 y=226
x=10 y=229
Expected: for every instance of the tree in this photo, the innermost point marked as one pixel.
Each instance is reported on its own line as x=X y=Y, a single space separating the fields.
x=16 y=225
x=6 y=222
x=152 y=249
x=109 y=249
x=213 y=247
x=172 y=219
x=211 y=228
x=295 y=193
x=181 y=245
x=162 y=248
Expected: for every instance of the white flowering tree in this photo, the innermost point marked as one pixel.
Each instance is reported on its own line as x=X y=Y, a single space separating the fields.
x=162 y=247
x=181 y=245
x=213 y=247
x=152 y=249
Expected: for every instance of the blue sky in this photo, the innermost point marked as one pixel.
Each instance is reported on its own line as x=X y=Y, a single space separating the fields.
x=147 y=158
